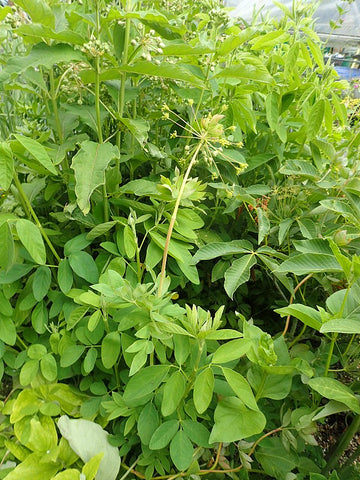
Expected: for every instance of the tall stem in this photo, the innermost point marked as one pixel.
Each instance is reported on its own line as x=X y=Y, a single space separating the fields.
x=121 y=104
x=32 y=213
x=98 y=111
x=173 y=217
x=342 y=445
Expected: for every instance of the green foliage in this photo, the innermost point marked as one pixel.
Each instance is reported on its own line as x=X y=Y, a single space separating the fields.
x=156 y=155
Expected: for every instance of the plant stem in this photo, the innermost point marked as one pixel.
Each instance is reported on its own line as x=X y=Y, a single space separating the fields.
x=121 y=101
x=32 y=213
x=329 y=357
x=342 y=445
x=55 y=108
x=174 y=215
x=304 y=280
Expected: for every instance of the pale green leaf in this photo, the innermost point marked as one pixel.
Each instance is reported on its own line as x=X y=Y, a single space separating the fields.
x=78 y=432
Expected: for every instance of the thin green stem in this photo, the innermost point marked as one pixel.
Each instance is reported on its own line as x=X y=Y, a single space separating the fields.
x=55 y=108
x=174 y=215
x=121 y=102
x=342 y=445
x=32 y=214
x=349 y=344
x=331 y=350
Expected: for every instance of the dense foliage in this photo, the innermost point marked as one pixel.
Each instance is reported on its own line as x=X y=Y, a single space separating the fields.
x=180 y=218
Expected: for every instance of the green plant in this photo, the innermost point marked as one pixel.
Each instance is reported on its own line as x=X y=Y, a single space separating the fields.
x=136 y=145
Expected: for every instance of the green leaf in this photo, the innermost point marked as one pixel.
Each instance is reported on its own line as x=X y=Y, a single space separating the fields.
x=174 y=390
x=7 y=250
x=48 y=367
x=144 y=382
x=28 y=372
x=89 y=165
x=272 y=110
x=90 y=360
x=100 y=230
x=65 y=276
x=163 y=434
x=275 y=459
x=148 y=422
x=315 y=119
x=173 y=72
x=341 y=325
x=7 y=330
x=78 y=432
x=41 y=54
x=223 y=334
x=335 y=390
x=240 y=387
x=305 y=263
x=137 y=127
x=36 y=351
x=32 y=467
x=234 y=421
x=232 y=350
x=129 y=242
x=110 y=349
x=41 y=282
x=196 y=432
x=6 y=166
x=39 y=318
x=256 y=71
x=219 y=249
x=37 y=151
x=181 y=451
x=84 y=266
x=71 y=355
x=269 y=40
x=39 y=11
x=238 y=273
x=203 y=389
x=308 y=315
x=263 y=223
x=91 y=467
x=68 y=474
x=31 y=238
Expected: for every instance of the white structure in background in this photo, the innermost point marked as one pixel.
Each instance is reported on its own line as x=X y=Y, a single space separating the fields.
x=347 y=34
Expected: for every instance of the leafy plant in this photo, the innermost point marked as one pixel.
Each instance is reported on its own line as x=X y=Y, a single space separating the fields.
x=137 y=144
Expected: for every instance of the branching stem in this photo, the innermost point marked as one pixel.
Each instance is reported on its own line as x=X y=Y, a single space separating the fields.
x=174 y=215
